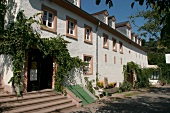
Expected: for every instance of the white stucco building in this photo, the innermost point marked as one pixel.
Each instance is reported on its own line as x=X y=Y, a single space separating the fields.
x=95 y=38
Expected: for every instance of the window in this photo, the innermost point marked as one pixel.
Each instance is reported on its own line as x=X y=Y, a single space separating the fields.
x=105 y=41
x=88 y=69
x=114 y=45
x=128 y=31
x=114 y=60
x=75 y=2
x=71 y=27
x=87 y=34
x=49 y=19
x=155 y=75
x=121 y=47
x=113 y=24
x=105 y=57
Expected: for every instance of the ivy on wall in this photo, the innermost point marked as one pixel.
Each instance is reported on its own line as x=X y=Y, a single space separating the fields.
x=20 y=37
x=143 y=74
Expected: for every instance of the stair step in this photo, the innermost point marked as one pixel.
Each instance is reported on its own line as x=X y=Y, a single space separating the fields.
x=28 y=93
x=40 y=106
x=1 y=89
x=34 y=101
x=56 y=108
x=26 y=97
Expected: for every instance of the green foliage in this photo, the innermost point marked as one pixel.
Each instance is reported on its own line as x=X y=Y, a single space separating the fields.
x=143 y=74
x=109 y=2
x=20 y=37
x=3 y=8
x=126 y=86
x=89 y=85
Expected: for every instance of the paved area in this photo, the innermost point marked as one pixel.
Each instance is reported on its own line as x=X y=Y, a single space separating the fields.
x=155 y=100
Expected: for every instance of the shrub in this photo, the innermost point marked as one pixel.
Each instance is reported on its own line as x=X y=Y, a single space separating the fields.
x=126 y=86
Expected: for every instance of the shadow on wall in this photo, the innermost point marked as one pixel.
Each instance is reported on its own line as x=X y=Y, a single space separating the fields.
x=12 y=10
x=74 y=78
x=5 y=62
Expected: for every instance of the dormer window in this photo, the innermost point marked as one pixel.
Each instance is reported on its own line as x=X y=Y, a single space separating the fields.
x=102 y=16
x=113 y=25
x=128 y=32
x=75 y=2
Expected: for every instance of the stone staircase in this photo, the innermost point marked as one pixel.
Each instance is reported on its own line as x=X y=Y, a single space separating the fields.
x=1 y=88
x=44 y=101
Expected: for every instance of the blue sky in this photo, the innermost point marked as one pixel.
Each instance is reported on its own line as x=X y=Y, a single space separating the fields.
x=121 y=10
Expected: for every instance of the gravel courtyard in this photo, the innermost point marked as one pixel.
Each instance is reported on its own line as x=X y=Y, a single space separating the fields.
x=154 y=100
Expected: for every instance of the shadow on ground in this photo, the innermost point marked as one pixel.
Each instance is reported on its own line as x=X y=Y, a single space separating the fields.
x=156 y=100
x=142 y=104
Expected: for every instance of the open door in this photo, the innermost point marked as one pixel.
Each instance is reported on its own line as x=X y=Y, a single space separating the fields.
x=39 y=71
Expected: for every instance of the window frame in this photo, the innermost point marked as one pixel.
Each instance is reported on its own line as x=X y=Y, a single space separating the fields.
x=114 y=44
x=120 y=47
x=105 y=36
x=85 y=29
x=52 y=29
x=74 y=36
x=91 y=64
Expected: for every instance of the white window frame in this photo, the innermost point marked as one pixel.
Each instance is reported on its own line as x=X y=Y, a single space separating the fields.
x=113 y=24
x=114 y=44
x=71 y=28
x=47 y=19
x=88 y=68
x=120 y=47
x=88 y=34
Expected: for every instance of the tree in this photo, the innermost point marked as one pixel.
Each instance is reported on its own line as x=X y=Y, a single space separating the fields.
x=151 y=28
x=3 y=8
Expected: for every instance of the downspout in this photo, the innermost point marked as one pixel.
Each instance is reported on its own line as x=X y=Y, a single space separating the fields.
x=97 y=73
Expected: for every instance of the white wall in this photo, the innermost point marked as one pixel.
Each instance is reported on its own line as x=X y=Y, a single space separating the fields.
x=6 y=71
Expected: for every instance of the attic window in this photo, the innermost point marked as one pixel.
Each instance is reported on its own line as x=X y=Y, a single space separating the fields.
x=75 y=2
x=128 y=32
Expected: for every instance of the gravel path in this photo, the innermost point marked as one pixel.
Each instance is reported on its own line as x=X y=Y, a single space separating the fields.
x=155 y=100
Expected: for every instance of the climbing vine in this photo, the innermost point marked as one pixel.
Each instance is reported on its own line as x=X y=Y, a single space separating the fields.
x=20 y=37
x=143 y=74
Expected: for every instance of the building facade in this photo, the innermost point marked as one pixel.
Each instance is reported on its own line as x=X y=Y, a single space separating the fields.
x=95 y=38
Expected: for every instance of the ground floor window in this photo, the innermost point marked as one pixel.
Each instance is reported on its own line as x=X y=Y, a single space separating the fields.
x=88 y=69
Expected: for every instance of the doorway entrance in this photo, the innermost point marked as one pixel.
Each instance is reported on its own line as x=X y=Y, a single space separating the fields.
x=40 y=71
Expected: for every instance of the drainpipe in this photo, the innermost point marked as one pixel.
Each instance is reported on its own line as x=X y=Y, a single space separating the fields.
x=97 y=52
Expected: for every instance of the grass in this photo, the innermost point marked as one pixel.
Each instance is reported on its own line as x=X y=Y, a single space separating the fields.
x=130 y=94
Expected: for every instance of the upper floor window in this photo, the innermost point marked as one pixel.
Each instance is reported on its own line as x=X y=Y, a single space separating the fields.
x=49 y=19
x=88 y=69
x=88 y=34
x=114 y=45
x=105 y=41
x=71 y=27
x=120 y=47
